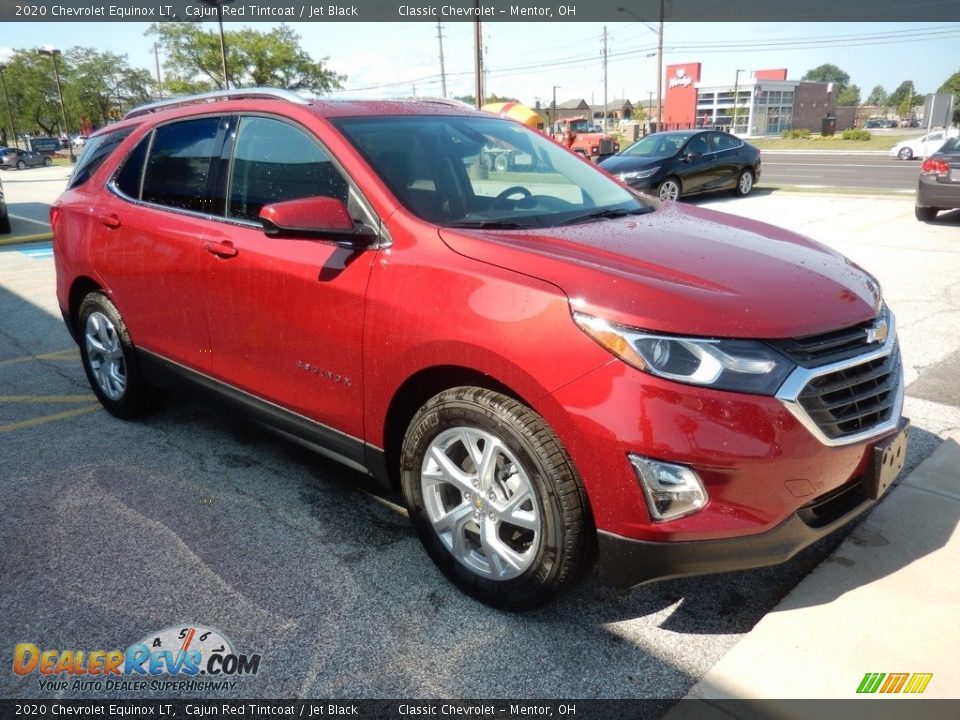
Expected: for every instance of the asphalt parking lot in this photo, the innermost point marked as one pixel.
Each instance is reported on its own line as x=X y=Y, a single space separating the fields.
x=114 y=531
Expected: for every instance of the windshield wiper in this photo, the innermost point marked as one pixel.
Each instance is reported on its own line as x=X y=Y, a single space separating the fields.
x=605 y=215
x=488 y=224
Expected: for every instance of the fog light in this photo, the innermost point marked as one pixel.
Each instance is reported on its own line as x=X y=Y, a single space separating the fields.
x=672 y=491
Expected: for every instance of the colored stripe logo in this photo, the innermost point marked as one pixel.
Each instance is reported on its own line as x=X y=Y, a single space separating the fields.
x=911 y=683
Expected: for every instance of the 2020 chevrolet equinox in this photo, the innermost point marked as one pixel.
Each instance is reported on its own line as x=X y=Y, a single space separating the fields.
x=553 y=369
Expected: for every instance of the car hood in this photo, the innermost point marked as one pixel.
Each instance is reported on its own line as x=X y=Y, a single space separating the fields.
x=688 y=271
x=626 y=163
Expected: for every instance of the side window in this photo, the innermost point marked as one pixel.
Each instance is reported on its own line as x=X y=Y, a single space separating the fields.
x=95 y=151
x=179 y=164
x=698 y=144
x=274 y=161
x=130 y=177
x=722 y=141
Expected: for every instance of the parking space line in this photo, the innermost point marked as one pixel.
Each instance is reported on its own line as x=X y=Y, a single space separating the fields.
x=71 y=353
x=46 y=398
x=44 y=419
x=27 y=219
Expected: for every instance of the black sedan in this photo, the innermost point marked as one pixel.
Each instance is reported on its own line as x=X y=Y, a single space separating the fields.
x=939 y=186
x=4 y=217
x=20 y=159
x=685 y=162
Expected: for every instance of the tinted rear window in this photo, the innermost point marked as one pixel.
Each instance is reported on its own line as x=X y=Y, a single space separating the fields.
x=95 y=151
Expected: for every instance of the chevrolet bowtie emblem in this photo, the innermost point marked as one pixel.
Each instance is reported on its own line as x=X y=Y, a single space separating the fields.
x=877 y=333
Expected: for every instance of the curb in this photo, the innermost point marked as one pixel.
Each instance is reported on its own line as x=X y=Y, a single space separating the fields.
x=26 y=239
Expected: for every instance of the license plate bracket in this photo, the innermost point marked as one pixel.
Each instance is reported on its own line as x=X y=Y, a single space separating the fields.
x=889 y=456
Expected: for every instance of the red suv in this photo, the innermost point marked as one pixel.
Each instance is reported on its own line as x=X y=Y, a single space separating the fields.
x=551 y=367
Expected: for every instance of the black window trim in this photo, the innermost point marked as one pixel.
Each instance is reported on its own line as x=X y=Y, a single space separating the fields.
x=224 y=141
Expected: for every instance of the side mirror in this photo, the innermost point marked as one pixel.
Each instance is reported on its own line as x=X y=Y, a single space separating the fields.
x=316 y=218
x=693 y=155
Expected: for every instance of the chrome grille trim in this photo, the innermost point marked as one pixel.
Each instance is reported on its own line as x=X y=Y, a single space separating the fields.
x=795 y=384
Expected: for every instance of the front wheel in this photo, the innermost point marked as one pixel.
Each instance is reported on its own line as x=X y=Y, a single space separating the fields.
x=47 y=162
x=21 y=165
x=744 y=184
x=925 y=213
x=109 y=359
x=905 y=153
x=495 y=499
x=669 y=189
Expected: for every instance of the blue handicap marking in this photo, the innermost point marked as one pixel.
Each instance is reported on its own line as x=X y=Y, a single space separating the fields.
x=38 y=251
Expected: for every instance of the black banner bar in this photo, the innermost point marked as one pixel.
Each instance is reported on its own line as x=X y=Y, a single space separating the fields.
x=854 y=709
x=250 y=11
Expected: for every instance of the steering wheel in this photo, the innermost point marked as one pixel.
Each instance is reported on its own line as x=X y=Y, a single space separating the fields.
x=514 y=190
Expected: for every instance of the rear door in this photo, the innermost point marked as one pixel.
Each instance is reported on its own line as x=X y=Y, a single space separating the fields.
x=729 y=158
x=149 y=248
x=286 y=316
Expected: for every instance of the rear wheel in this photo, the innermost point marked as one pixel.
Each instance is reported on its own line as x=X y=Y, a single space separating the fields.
x=669 y=189
x=494 y=498
x=925 y=213
x=4 y=224
x=47 y=162
x=744 y=184
x=21 y=165
x=110 y=360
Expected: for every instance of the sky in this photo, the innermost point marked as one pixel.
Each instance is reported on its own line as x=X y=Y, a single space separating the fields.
x=525 y=60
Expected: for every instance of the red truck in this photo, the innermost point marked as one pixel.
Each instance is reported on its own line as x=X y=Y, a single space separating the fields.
x=578 y=134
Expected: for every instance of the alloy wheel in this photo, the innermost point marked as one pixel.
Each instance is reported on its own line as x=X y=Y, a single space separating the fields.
x=105 y=355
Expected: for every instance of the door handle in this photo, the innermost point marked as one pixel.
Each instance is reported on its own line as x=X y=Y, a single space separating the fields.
x=111 y=220
x=223 y=249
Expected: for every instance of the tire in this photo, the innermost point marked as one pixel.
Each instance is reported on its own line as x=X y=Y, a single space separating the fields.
x=110 y=360
x=669 y=189
x=925 y=213
x=21 y=165
x=4 y=224
x=905 y=154
x=744 y=184
x=47 y=162
x=501 y=163
x=547 y=543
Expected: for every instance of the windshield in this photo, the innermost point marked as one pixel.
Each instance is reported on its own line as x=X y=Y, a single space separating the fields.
x=484 y=172
x=657 y=145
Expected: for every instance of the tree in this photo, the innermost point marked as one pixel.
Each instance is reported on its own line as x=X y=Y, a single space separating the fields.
x=254 y=58
x=829 y=73
x=877 y=96
x=492 y=98
x=904 y=93
x=103 y=86
x=848 y=96
x=952 y=87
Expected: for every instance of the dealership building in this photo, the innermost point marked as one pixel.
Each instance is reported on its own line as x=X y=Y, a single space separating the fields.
x=766 y=103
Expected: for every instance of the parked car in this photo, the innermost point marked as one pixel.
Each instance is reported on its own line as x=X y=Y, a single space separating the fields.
x=922 y=146
x=20 y=159
x=549 y=367
x=79 y=140
x=685 y=162
x=939 y=185
x=4 y=215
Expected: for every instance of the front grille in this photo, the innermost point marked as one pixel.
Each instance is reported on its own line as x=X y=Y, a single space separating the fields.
x=834 y=346
x=855 y=398
x=606 y=147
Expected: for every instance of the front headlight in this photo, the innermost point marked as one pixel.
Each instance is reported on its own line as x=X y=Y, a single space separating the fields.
x=638 y=174
x=737 y=365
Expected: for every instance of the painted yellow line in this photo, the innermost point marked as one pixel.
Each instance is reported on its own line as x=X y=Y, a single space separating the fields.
x=26 y=239
x=46 y=398
x=55 y=356
x=26 y=219
x=43 y=420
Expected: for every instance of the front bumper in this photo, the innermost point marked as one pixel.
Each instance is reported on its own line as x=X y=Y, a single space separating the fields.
x=625 y=562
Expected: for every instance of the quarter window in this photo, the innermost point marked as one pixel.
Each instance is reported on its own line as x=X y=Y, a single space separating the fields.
x=131 y=174
x=95 y=151
x=274 y=161
x=179 y=164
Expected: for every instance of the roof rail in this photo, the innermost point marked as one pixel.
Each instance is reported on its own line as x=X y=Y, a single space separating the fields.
x=440 y=101
x=235 y=94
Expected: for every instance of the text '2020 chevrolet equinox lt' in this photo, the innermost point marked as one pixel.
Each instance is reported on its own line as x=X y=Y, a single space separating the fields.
x=553 y=369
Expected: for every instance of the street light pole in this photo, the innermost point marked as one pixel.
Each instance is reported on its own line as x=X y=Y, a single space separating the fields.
x=13 y=123
x=218 y=4
x=736 y=97
x=659 y=34
x=53 y=52
x=553 y=109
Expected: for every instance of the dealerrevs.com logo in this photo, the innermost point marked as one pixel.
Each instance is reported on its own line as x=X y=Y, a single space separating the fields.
x=178 y=658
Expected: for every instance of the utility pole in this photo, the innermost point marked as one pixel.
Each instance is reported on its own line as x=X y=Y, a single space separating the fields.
x=660 y=70
x=736 y=98
x=53 y=53
x=443 y=72
x=553 y=110
x=478 y=57
x=218 y=4
x=156 y=57
x=605 y=110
